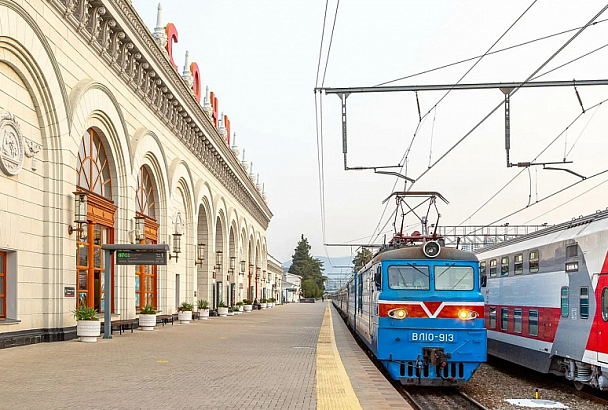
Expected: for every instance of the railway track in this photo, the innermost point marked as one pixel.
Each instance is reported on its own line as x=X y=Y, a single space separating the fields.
x=440 y=399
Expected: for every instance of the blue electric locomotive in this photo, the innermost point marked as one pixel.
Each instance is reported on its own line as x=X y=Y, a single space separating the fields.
x=417 y=305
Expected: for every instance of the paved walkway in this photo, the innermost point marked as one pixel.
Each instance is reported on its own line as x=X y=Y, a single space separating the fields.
x=261 y=360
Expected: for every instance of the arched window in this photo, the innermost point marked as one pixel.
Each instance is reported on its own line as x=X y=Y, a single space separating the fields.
x=145 y=194
x=93 y=177
x=145 y=206
x=93 y=169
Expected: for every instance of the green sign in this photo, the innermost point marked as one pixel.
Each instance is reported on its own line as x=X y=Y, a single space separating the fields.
x=134 y=257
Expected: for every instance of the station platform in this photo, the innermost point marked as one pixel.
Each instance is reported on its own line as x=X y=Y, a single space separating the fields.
x=295 y=356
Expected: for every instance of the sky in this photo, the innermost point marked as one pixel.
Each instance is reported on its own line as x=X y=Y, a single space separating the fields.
x=261 y=58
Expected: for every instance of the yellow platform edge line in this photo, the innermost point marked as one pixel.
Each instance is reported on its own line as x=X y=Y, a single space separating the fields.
x=334 y=390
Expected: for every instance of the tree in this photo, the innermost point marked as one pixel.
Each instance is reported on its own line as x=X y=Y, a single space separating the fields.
x=304 y=265
x=310 y=289
x=362 y=257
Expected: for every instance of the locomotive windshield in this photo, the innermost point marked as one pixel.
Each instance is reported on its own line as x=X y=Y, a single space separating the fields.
x=454 y=278
x=408 y=277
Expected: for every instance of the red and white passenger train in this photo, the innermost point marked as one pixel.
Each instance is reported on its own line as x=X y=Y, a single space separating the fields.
x=546 y=300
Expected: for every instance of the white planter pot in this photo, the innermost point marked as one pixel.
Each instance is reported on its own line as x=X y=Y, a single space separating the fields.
x=274 y=304
x=263 y=305
x=241 y=309
x=204 y=314
x=230 y=313
x=184 y=317
x=147 y=322
x=269 y=305
x=88 y=330
x=247 y=308
x=222 y=311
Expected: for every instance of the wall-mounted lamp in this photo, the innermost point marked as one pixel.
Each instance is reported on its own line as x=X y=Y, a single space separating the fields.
x=264 y=275
x=257 y=273
x=80 y=215
x=232 y=263
x=218 y=260
x=250 y=268
x=140 y=228
x=200 y=254
x=177 y=237
x=242 y=268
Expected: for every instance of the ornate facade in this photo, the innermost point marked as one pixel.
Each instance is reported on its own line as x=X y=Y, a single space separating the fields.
x=91 y=107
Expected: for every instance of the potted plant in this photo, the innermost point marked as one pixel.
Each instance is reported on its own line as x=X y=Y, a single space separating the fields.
x=184 y=313
x=222 y=310
x=203 y=308
x=270 y=302
x=264 y=303
x=247 y=305
x=231 y=311
x=88 y=327
x=147 y=318
x=239 y=306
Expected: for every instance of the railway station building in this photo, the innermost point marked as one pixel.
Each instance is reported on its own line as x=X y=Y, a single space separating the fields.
x=103 y=140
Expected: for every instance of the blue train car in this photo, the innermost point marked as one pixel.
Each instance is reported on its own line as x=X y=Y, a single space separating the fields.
x=419 y=309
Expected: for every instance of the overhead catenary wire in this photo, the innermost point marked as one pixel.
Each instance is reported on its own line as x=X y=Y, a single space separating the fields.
x=531 y=76
x=490 y=53
x=533 y=160
x=404 y=161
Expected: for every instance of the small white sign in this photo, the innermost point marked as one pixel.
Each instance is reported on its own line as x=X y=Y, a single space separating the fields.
x=537 y=403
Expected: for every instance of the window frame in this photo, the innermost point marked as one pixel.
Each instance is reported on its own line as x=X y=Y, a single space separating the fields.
x=492 y=316
x=530 y=321
x=565 y=301
x=494 y=268
x=584 y=297
x=518 y=264
x=428 y=269
x=517 y=321
x=604 y=304
x=483 y=268
x=535 y=260
x=504 y=265
x=504 y=317
x=569 y=253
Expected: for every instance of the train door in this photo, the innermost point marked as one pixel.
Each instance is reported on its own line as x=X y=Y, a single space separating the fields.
x=601 y=318
x=376 y=287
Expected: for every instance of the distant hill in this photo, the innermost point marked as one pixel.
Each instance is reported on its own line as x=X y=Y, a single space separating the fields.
x=329 y=265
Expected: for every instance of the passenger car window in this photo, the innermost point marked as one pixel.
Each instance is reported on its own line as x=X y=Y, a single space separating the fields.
x=517 y=321
x=519 y=264
x=408 y=277
x=533 y=323
x=504 y=319
x=492 y=318
x=605 y=304
x=454 y=278
x=584 y=302
x=565 y=303
x=504 y=266
x=493 y=268
x=533 y=262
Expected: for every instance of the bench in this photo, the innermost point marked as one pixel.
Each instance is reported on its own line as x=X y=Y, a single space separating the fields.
x=164 y=319
x=120 y=325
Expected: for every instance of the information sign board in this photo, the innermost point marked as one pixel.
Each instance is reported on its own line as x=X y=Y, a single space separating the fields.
x=137 y=257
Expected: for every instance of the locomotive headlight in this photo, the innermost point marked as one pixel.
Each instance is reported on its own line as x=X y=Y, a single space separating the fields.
x=465 y=314
x=397 y=313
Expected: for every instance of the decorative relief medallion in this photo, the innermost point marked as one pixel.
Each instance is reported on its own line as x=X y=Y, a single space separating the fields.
x=11 y=144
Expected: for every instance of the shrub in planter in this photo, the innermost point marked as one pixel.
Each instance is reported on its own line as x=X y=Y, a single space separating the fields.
x=147 y=318
x=88 y=327
x=222 y=310
x=184 y=313
x=247 y=305
x=203 y=308
x=264 y=303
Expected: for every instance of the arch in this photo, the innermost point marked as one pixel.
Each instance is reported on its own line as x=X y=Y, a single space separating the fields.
x=204 y=235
